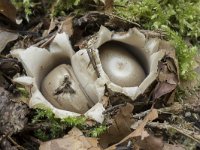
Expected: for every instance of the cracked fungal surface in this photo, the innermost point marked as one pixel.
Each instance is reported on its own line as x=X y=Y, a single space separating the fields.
x=65 y=87
x=62 y=89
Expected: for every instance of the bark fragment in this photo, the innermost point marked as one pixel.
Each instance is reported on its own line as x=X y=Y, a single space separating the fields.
x=12 y=113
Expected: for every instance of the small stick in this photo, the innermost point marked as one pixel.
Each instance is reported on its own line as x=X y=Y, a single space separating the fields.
x=15 y=143
x=167 y=126
x=149 y=33
x=174 y=108
x=114 y=107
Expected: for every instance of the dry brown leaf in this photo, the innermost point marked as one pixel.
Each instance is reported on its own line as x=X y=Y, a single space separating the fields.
x=153 y=114
x=67 y=26
x=52 y=26
x=6 y=37
x=74 y=140
x=168 y=77
x=120 y=127
x=163 y=88
x=150 y=143
x=108 y=5
x=8 y=10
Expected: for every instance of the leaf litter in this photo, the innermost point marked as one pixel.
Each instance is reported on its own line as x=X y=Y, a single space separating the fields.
x=73 y=140
x=128 y=128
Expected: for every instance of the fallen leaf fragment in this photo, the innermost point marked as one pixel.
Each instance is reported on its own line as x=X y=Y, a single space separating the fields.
x=8 y=10
x=150 y=143
x=139 y=132
x=12 y=113
x=52 y=26
x=120 y=127
x=67 y=26
x=153 y=114
x=172 y=147
x=74 y=140
x=108 y=5
x=168 y=76
x=5 y=38
x=155 y=143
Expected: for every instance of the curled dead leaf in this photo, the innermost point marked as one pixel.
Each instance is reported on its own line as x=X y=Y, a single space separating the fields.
x=120 y=127
x=139 y=132
x=168 y=77
x=74 y=140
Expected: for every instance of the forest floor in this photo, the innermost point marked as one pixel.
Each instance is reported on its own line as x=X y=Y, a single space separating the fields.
x=170 y=121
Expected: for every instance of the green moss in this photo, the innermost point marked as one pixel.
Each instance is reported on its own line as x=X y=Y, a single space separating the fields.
x=74 y=121
x=23 y=92
x=17 y=3
x=52 y=127
x=179 y=18
x=184 y=53
x=26 y=5
x=97 y=131
x=61 y=7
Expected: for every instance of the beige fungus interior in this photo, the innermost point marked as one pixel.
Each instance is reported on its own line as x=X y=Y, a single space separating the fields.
x=124 y=64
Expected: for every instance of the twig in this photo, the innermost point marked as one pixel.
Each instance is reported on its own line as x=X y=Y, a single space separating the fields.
x=45 y=40
x=117 y=5
x=35 y=140
x=3 y=137
x=149 y=33
x=48 y=41
x=15 y=143
x=131 y=22
x=35 y=126
x=92 y=61
x=175 y=108
x=22 y=33
x=142 y=114
x=167 y=126
x=114 y=107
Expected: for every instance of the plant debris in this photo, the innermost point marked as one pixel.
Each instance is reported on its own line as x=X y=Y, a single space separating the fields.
x=65 y=87
x=120 y=126
x=73 y=140
x=8 y=10
x=13 y=118
x=12 y=113
x=139 y=132
x=88 y=108
x=6 y=37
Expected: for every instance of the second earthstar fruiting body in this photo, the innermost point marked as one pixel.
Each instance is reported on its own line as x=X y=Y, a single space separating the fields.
x=121 y=65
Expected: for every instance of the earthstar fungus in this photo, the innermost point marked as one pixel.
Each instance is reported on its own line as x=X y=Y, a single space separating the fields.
x=73 y=83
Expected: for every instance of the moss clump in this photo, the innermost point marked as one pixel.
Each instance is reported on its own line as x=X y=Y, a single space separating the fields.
x=179 y=19
x=61 y=6
x=51 y=127
x=26 y=5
